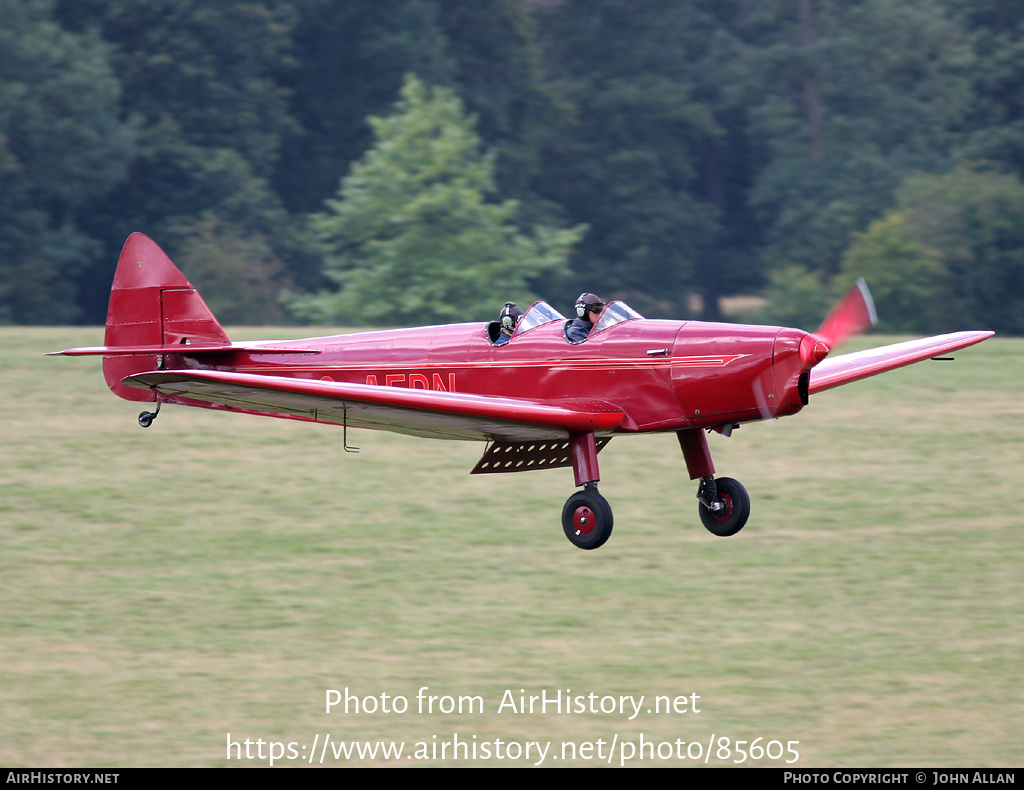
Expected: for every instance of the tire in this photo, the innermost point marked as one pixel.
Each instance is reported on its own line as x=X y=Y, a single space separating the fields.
x=587 y=519
x=737 y=509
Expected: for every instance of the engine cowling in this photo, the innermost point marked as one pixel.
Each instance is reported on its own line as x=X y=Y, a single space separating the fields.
x=794 y=354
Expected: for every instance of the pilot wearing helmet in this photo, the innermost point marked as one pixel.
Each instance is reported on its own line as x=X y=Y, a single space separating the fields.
x=588 y=310
x=508 y=320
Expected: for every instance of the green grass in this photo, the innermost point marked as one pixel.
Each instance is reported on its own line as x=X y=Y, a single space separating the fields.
x=218 y=573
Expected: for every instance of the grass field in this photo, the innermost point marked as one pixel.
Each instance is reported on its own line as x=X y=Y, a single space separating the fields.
x=164 y=591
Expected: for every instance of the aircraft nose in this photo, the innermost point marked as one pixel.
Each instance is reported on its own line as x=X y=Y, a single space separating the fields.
x=812 y=351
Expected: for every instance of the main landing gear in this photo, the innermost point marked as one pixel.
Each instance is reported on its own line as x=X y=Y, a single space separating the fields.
x=723 y=504
x=587 y=517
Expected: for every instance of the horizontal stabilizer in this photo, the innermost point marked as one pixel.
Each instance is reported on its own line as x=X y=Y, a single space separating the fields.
x=186 y=349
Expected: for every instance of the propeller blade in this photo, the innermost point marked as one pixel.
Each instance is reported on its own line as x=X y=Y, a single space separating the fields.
x=852 y=315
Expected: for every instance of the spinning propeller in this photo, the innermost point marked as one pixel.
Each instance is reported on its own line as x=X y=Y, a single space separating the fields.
x=852 y=315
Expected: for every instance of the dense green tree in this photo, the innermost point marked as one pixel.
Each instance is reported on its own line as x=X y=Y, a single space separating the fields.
x=726 y=81
x=198 y=71
x=854 y=97
x=974 y=220
x=794 y=297
x=712 y=146
x=238 y=274
x=414 y=234
x=200 y=81
x=351 y=58
x=498 y=73
x=908 y=280
x=63 y=144
x=628 y=165
x=354 y=55
x=994 y=129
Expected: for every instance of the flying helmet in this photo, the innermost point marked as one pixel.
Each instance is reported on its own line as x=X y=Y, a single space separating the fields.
x=509 y=316
x=587 y=302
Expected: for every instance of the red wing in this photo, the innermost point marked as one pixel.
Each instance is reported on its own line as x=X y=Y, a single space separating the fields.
x=836 y=371
x=439 y=415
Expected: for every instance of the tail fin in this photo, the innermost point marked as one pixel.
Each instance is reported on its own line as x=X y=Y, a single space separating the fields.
x=151 y=304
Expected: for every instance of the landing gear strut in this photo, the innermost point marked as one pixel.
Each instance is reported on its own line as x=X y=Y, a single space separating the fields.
x=724 y=504
x=587 y=517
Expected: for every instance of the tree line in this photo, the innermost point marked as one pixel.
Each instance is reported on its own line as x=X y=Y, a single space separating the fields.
x=406 y=161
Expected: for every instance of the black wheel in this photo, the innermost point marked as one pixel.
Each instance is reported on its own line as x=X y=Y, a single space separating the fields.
x=587 y=519
x=731 y=518
x=146 y=419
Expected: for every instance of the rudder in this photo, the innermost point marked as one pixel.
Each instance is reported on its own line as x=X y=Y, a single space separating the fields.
x=151 y=303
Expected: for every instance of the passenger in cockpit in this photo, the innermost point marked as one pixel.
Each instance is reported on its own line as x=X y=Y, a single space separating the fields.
x=508 y=320
x=588 y=309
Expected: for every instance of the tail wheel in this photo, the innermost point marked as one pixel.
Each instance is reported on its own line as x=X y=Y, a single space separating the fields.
x=587 y=519
x=729 y=519
x=146 y=418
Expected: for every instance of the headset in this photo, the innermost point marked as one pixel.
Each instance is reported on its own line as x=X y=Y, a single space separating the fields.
x=510 y=315
x=585 y=303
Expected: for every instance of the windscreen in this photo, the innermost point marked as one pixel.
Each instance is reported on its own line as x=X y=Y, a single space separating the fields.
x=539 y=313
x=615 y=313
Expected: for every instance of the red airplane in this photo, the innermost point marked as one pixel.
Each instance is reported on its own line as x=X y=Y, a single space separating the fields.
x=538 y=400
